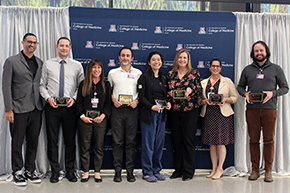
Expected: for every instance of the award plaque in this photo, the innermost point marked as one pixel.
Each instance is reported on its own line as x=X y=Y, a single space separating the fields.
x=125 y=99
x=92 y=114
x=161 y=103
x=61 y=101
x=216 y=98
x=179 y=94
x=256 y=97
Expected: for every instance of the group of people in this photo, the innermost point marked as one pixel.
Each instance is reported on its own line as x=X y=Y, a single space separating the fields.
x=70 y=99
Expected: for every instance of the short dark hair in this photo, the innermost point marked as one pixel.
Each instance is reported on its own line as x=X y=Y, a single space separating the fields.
x=153 y=53
x=63 y=38
x=215 y=59
x=127 y=49
x=266 y=47
x=28 y=34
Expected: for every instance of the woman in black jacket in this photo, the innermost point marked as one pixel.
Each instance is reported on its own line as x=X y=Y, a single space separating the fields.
x=152 y=98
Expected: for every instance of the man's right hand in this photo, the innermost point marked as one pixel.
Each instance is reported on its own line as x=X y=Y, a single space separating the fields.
x=117 y=104
x=51 y=102
x=10 y=116
x=247 y=95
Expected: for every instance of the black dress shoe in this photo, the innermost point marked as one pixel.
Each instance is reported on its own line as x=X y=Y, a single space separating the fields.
x=85 y=179
x=54 y=178
x=186 y=178
x=175 y=175
x=130 y=176
x=98 y=180
x=117 y=177
x=72 y=178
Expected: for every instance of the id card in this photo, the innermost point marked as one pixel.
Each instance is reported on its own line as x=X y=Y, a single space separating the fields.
x=131 y=76
x=260 y=76
x=95 y=102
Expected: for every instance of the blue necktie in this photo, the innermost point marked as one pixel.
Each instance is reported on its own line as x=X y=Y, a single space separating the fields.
x=61 y=79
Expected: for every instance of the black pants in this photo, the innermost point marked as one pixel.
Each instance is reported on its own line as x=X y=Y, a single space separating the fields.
x=67 y=118
x=29 y=125
x=124 y=123
x=183 y=128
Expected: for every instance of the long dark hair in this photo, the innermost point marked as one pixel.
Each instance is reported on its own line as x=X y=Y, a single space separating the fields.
x=87 y=85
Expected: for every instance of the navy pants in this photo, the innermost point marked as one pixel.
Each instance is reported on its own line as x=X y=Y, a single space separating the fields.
x=152 y=144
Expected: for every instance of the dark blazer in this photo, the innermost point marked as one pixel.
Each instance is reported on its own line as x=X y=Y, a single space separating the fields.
x=145 y=84
x=20 y=89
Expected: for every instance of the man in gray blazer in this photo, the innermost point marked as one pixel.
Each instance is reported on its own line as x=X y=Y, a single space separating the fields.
x=23 y=108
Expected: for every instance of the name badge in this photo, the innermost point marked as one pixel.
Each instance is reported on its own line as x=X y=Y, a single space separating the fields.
x=94 y=102
x=260 y=76
x=131 y=76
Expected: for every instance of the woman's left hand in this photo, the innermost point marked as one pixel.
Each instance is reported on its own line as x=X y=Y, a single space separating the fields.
x=168 y=106
x=100 y=118
x=223 y=102
x=188 y=91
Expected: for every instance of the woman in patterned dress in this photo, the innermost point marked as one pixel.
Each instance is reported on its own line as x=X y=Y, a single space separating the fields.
x=183 y=115
x=217 y=127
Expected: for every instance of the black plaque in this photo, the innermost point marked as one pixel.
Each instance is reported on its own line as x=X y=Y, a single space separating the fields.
x=161 y=103
x=61 y=101
x=179 y=94
x=216 y=98
x=256 y=97
x=92 y=114
x=125 y=99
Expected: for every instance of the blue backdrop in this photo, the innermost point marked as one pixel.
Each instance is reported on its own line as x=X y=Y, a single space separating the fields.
x=101 y=33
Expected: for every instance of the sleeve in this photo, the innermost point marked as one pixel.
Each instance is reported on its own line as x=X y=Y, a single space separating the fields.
x=169 y=85
x=80 y=101
x=196 y=85
x=142 y=88
x=282 y=83
x=110 y=79
x=6 y=85
x=108 y=103
x=232 y=91
x=43 y=83
x=80 y=77
x=242 y=84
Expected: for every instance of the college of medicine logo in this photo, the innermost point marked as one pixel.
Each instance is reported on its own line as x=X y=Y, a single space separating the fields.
x=111 y=62
x=179 y=47
x=89 y=44
x=135 y=46
x=202 y=30
x=158 y=30
x=112 y=28
x=200 y=64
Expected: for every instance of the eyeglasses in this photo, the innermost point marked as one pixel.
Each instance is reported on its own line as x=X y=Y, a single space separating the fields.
x=215 y=66
x=31 y=42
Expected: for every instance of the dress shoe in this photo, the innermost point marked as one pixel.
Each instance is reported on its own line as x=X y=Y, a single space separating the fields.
x=175 y=175
x=210 y=175
x=216 y=177
x=54 y=178
x=98 y=180
x=117 y=177
x=186 y=178
x=130 y=176
x=254 y=175
x=71 y=177
x=268 y=177
x=85 y=179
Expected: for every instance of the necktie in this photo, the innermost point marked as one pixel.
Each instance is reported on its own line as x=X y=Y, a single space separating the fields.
x=61 y=79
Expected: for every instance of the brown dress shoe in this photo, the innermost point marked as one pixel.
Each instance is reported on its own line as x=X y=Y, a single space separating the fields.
x=268 y=177
x=254 y=175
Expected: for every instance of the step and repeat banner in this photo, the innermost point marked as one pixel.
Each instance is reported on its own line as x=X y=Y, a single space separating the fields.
x=101 y=33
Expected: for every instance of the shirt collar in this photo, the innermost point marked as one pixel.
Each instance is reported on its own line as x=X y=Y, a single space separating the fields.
x=59 y=59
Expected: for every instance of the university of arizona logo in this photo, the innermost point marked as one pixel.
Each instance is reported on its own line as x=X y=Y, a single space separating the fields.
x=89 y=44
x=179 y=46
x=112 y=28
x=135 y=46
x=200 y=64
x=158 y=30
x=111 y=62
x=202 y=30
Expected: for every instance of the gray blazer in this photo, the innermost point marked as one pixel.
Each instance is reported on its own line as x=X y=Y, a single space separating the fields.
x=20 y=89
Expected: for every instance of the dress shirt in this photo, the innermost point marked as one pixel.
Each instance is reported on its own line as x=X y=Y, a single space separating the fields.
x=124 y=82
x=49 y=83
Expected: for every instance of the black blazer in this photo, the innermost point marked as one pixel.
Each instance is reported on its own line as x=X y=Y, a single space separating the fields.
x=144 y=88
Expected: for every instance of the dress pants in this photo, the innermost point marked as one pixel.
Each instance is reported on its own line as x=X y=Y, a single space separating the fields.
x=29 y=125
x=92 y=135
x=183 y=129
x=265 y=120
x=67 y=118
x=152 y=144
x=124 y=124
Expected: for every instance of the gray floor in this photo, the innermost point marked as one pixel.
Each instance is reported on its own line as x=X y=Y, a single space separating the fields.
x=199 y=184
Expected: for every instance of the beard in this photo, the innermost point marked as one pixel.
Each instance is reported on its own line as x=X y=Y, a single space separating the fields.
x=260 y=60
x=125 y=63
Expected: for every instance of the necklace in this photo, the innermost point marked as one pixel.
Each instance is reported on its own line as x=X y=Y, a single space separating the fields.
x=212 y=82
